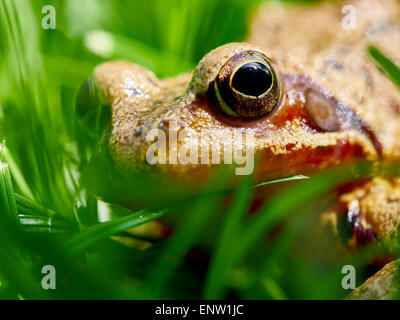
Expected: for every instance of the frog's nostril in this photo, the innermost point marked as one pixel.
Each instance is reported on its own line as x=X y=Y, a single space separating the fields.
x=90 y=108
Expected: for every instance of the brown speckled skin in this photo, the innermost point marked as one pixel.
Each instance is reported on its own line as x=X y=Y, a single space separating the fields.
x=310 y=52
x=384 y=285
x=313 y=44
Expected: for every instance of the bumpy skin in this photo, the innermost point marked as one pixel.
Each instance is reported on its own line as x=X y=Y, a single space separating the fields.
x=384 y=285
x=313 y=49
x=337 y=60
x=320 y=65
x=310 y=40
x=317 y=61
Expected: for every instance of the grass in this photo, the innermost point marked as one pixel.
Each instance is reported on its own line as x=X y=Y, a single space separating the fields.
x=385 y=65
x=48 y=215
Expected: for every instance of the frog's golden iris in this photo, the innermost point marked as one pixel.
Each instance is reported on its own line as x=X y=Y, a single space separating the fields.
x=247 y=85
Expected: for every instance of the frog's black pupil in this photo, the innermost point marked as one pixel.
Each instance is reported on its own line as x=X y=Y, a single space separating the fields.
x=252 y=79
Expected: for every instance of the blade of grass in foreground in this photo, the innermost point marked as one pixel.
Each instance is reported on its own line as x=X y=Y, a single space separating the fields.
x=26 y=206
x=287 y=179
x=192 y=227
x=89 y=236
x=15 y=172
x=385 y=64
x=8 y=203
x=95 y=233
x=287 y=201
x=12 y=266
x=230 y=237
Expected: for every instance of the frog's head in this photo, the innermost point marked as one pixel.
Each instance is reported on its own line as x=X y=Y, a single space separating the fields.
x=236 y=99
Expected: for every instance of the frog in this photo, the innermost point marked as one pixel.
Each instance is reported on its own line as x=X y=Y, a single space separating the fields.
x=303 y=88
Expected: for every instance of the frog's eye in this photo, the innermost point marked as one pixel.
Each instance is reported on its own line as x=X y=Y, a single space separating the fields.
x=247 y=86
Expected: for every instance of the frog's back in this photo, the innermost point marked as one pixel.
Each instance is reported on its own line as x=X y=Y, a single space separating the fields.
x=321 y=41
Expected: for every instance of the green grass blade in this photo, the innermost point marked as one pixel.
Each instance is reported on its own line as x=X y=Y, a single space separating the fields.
x=95 y=233
x=288 y=200
x=218 y=272
x=193 y=225
x=385 y=64
x=15 y=172
x=26 y=206
x=8 y=203
x=287 y=179
x=12 y=266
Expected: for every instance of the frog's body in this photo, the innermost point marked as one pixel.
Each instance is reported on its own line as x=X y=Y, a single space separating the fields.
x=334 y=106
x=315 y=43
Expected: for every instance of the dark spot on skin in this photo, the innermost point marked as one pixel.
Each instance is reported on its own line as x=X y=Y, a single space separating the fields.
x=191 y=107
x=392 y=200
x=135 y=91
x=138 y=133
x=368 y=77
x=395 y=106
x=151 y=81
x=148 y=123
x=290 y=146
x=380 y=27
x=350 y=227
x=362 y=235
x=331 y=63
